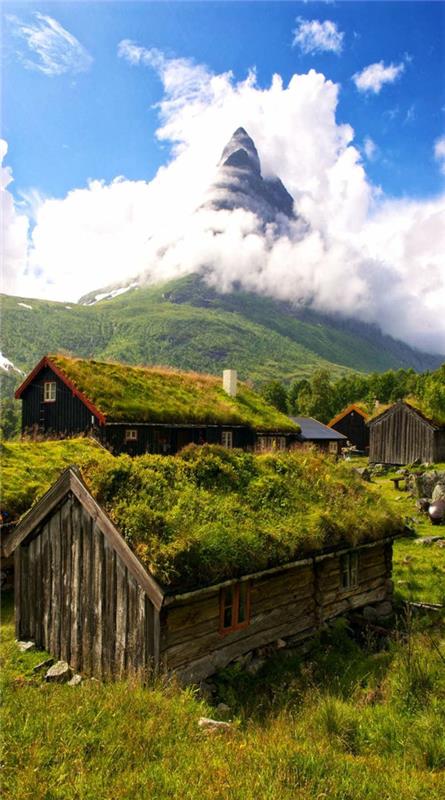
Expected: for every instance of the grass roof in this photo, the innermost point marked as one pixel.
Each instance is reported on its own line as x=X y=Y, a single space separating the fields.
x=209 y=514
x=158 y=394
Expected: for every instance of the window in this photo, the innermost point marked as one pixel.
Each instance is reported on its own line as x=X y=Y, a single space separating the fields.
x=234 y=607
x=131 y=435
x=333 y=447
x=227 y=438
x=49 y=392
x=349 y=570
x=271 y=443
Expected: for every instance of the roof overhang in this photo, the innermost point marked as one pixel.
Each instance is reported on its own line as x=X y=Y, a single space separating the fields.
x=345 y=413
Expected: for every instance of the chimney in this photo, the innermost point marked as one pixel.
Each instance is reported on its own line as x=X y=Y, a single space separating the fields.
x=230 y=382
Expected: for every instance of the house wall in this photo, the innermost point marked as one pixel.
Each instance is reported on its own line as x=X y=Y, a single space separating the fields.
x=291 y=605
x=76 y=598
x=400 y=437
x=66 y=415
x=166 y=439
x=353 y=426
x=439 y=445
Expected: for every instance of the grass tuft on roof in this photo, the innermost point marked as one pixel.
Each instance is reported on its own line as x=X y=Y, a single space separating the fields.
x=159 y=394
x=209 y=514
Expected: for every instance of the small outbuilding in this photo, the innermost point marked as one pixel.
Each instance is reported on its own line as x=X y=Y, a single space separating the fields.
x=324 y=438
x=402 y=434
x=117 y=604
x=148 y=409
x=351 y=422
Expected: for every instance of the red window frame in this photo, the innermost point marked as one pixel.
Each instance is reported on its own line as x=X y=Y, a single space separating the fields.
x=230 y=621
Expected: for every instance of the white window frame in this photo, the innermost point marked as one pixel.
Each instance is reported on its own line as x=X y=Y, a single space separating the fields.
x=49 y=391
x=131 y=435
x=227 y=439
x=349 y=567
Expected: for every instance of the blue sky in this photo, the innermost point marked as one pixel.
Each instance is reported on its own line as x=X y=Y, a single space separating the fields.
x=66 y=128
x=115 y=116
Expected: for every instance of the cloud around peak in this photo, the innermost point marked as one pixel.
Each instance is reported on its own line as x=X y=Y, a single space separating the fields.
x=51 y=49
x=313 y=36
x=362 y=255
x=373 y=77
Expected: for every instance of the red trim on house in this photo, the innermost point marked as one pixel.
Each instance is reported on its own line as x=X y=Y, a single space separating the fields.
x=235 y=626
x=46 y=362
x=347 y=411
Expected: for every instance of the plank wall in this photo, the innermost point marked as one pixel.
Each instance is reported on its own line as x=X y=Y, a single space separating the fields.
x=76 y=599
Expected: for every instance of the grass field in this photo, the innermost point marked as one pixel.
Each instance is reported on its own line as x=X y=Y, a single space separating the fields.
x=349 y=722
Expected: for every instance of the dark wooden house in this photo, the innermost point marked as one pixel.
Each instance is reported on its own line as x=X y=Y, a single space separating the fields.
x=82 y=594
x=147 y=410
x=324 y=438
x=402 y=434
x=351 y=422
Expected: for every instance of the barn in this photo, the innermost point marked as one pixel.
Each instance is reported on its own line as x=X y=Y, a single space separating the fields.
x=402 y=434
x=115 y=605
x=351 y=422
x=147 y=410
x=321 y=436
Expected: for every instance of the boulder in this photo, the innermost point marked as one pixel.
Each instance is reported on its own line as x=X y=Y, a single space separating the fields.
x=255 y=665
x=370 y=614
x=43 y=665
x=280 y=644
x=383 y=609
x=438 y=492
x=423 y=504
x=363 y=473
x=60 y=672
x=26 y=647
x=75 y=680
x=212 y=725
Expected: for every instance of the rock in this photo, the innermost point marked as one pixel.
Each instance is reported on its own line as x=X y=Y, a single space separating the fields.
x=206 y=690
x=383 y=609
x=245 y=659
x=438 y=492
x=428 y=540
x=280 y=644
x=363 y=473
x=370 y=614
x=223 y=708
x=26 y=647
x=60 y=672
x=436 y=512
x=255 y=665
x=75 y=680
x=212 y=725
x=43 y=665
x=423 y=504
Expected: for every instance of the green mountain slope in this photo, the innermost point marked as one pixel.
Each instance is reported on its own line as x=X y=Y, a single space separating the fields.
x=186 y=324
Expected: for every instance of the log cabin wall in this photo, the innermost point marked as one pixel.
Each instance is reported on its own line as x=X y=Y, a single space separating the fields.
x=353 y=426
x=66 y=415
x=76 y=598
x=400 y=437
x=291 y=604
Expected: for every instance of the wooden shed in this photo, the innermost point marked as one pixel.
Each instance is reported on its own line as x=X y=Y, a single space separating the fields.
x=402 y=434
x=139 y=410
x=82 y=594
x=351 y=422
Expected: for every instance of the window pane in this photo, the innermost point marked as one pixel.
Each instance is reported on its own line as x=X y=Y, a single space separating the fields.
x=227 y=617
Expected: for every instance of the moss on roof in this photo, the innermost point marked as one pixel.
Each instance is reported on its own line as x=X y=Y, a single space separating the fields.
x=159 y=394
x=209 y=514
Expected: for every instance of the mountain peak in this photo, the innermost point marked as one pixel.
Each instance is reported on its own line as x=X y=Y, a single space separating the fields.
x=240 y=151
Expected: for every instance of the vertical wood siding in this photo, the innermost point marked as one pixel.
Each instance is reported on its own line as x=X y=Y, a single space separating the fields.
x=401 y=437
x=76 y=598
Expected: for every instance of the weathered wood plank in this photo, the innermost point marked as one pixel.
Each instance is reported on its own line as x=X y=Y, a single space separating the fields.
x=18 y=593
x=66 y=581
x=76 y=587
x=98 y=587
x=86 y=578
x=121 y=618
x=109 y=611
x=54 y=629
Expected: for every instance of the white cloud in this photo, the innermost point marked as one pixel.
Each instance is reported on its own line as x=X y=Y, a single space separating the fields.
x=53 y=49
x=14 y=232
x=313 y=36
x=370 y=148
x=439 y=152
x=364 y=255
x=373 y=77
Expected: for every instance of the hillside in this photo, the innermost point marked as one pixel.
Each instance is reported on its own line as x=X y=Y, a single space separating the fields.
x=186 y=324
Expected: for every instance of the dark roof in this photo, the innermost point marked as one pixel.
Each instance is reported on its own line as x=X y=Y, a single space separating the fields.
x=312 y=430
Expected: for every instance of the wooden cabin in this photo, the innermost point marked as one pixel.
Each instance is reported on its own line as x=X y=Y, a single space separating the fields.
x=324 y=438
x=402 y=434
x=140 y=410
x=351 y=422
x=82 y=594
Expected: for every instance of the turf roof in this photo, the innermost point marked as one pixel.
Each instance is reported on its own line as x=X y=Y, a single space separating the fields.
x=156 y=394
x=209 y=514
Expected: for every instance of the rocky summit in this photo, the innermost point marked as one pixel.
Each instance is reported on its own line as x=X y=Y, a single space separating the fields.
x=239 y=183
